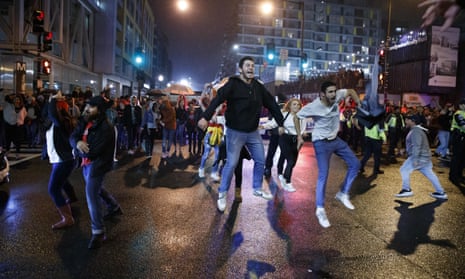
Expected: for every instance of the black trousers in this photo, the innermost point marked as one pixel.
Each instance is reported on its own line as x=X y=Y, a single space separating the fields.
x=457 y=164
x=289 y=154
x=272 y=147
x=372 y=146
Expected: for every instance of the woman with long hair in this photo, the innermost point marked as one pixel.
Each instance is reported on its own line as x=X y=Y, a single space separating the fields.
x=289 y=143
x=61 y=157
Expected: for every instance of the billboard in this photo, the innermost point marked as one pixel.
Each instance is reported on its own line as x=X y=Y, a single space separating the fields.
x=443 y=57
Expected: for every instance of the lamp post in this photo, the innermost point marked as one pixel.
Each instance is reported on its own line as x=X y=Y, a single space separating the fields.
x=302 y=29
x=266 y=9
x=386 y=52
x=139 y=60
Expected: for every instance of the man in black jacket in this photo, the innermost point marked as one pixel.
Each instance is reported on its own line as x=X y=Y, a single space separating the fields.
x=94 y=141
x=245 y=97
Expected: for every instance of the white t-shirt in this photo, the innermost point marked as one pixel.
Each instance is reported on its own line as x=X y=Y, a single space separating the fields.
x=53 y=156
x=326 y=119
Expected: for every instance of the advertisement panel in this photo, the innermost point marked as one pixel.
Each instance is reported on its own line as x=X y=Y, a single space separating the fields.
x=443 y=57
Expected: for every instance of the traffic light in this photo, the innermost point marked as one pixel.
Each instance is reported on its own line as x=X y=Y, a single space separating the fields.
x=304 y=60
x=46 y=67
x=47 y=41
x=382 y=57
x=38 y=21
x=270 y=52
x=139 y=56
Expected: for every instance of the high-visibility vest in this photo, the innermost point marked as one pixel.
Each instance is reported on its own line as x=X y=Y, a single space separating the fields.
x=455 y=125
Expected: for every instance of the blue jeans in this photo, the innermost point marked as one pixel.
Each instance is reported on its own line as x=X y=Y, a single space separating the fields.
x=426 y=168
x=234 y=143
x=181 y=133
x=443 y=137
x=58 y=178
x=167 y=139
x=206 y=151
x=94 y=185
x=324 y=150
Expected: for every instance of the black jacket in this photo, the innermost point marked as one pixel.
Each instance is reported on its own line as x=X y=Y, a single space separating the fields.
x=127 y=116
x=101 y=140
x=244 y=104
x=60 y=134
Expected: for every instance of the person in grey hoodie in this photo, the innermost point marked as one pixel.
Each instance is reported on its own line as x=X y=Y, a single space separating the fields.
x=419 y=158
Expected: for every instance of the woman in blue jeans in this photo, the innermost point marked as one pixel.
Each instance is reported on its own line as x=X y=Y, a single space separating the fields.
x=60 y=155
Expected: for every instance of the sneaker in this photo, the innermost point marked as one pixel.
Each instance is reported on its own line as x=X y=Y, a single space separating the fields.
x=215 y=176
x=96 y=241
x=404 y=193
x=237 y=195
x=344 y=199
x=439 y=195
x=201 y=173
x=263 y=194
x=289 y=187
x=221 y=203
x=164 y=154
x=321 y=216
x=131 y=152
x=282 y=180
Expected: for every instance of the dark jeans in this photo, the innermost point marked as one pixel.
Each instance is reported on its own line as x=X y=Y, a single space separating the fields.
x=58 y=181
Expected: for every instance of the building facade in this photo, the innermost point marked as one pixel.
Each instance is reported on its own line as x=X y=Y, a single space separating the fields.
x=309 y=38
x=94 y=46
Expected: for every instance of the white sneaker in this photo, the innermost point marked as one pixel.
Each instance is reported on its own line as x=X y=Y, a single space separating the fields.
x=321 y=216
x=344 y=199
x=282 y=180
x=215 y=176
x=289 y=187
x=221 y=203
x=263 y=194
x=201 y=173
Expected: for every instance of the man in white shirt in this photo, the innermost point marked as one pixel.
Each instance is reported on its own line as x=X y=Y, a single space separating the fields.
x=325 y=113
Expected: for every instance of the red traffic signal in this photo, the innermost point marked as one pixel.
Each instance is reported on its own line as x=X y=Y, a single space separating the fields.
x=46 y=67
x=38 y=21
x=47 y=41
x=382 y=57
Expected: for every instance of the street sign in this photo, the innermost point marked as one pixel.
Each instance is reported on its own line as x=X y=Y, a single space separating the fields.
x=284 y=53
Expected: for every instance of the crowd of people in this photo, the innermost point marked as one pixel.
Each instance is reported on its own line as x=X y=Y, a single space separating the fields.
x=92 y=133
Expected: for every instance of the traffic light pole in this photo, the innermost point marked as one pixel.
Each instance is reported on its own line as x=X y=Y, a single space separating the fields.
x=38 y=64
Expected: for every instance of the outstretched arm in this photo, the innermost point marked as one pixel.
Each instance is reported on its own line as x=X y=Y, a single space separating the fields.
x=448 y=9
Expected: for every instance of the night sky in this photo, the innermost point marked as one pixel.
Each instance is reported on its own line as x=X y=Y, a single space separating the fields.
x=196 y=36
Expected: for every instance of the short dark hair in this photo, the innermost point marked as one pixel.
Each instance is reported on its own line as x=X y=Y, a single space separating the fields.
x=326 y=84
x=243 y=59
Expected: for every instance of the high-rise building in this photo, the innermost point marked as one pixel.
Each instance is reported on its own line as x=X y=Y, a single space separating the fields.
x=309 y=38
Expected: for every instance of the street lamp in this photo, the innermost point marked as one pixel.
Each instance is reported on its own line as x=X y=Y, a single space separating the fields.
x=303 y=56
x=183 y=5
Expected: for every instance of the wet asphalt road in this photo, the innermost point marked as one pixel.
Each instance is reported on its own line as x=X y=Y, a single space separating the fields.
x=171 y=228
